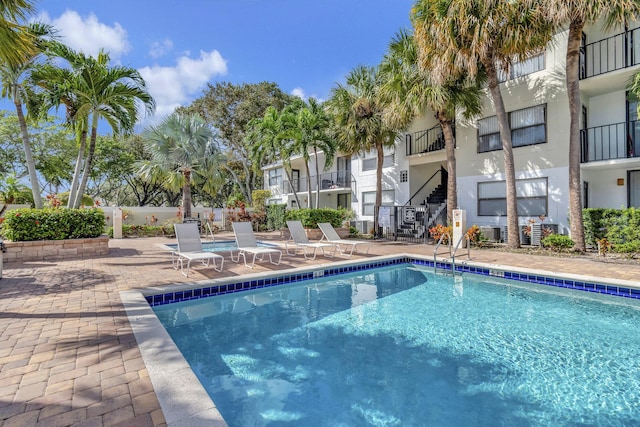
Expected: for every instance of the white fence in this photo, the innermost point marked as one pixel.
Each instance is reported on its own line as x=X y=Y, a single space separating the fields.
x=145 y=215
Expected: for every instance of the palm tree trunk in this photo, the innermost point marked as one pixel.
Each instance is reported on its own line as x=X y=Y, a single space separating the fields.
x=315 y=152
x=507 y=149
x=88 y=165
x=450 y=148
x=78 y=170
x=186 y=194
x=287 y=171
x=379 y=164
x=310 y=199
x=31 y=166
x=573 y=89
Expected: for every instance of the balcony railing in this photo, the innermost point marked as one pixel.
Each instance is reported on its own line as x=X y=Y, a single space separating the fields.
x=615 y=141
x=426 y=141
x=611 y=54
x=328 y=181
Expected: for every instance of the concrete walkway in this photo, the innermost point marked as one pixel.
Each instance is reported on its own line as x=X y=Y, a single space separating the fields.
x=67 y=352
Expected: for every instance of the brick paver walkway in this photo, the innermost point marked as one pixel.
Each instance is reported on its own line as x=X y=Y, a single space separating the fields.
x=67 y=352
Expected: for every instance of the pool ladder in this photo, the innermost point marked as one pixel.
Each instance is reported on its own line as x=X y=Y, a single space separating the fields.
x=452 y=251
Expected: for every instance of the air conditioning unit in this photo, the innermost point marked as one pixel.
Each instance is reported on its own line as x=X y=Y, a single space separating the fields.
x=491 y=233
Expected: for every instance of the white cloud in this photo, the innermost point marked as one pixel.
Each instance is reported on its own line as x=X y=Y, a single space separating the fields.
x=159 y=49
x=174 y=86
x=299 y=92
x=89 y=35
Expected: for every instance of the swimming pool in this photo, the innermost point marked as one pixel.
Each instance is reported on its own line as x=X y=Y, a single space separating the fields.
x=398 y=345
x=217 y=246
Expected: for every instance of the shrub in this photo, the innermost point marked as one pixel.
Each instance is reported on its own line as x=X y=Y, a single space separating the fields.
x=475 y=236
x=22 y=225
x=276 y=216
x=557 y=242
x=310 y=217
x=439 y=230
x=627 y=248
x=618 y=226
x=259 y=198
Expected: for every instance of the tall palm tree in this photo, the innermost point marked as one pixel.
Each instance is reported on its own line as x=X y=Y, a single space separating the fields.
x=411 y=90
x=92 y=90
x=311 y=131
x=476 y=36
x=316 y=125
x=15 y=39
x=358 y=110
x=16 y=86
x=181 y=146
x=270 y=142
x=576 y=14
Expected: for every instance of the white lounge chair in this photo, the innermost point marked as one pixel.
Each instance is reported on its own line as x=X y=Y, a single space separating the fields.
x=247 y=244
x=301 y=242
x=331 y=236
x=190 y=248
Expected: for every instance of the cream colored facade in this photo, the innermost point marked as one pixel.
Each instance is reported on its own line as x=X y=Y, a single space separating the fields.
x=536 y=99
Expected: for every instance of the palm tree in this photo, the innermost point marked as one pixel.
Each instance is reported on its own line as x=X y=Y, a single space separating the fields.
x=15 y=39
x=577 y=14
x=476 y=36
x=10 y=191
x=16 y=86
x=270 y=142
x=358 y=110
x=311 y=131
x=411 y=91
x=181 y=146
x=91 y=91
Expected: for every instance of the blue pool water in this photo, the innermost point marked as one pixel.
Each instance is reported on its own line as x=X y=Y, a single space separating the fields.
x=398 y=346
x=217 y=246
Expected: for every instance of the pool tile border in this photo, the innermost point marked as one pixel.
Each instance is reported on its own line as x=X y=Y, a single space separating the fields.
x=209 y=290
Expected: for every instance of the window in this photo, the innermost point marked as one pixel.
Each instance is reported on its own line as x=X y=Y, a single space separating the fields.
x=488 y=135
x=528 y=66
x=531 y=194
x=528 y=127
x=370 y=159
x=404 y=176
x=275 y=176
x=369 y=200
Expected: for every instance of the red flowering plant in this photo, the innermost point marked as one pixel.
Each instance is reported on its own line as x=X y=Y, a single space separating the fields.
x=439 y=230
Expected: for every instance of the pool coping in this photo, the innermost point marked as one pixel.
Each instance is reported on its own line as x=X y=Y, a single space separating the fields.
x=183 y=399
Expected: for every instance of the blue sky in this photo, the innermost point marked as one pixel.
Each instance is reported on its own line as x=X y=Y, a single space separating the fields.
x=305 y=46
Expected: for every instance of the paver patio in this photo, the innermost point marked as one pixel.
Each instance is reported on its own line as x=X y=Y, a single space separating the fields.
x=67 y=352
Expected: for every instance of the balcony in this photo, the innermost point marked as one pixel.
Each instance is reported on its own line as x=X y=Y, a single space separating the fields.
x=426 y=141
x=613 y=53
x=610 y=142
x=328 y=181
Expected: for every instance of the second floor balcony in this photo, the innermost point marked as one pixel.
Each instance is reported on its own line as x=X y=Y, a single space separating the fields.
x=339 y=180
x=613 y=53
x=610 y=142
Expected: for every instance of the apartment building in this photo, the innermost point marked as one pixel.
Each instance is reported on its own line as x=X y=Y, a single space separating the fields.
x=535 y=97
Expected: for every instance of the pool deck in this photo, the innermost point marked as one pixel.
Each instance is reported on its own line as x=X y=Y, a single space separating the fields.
x=67 y=352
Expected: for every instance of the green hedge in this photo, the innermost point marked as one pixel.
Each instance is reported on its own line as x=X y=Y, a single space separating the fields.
x=23 y=225
x=144 y=231
x=276 y=216
x=311 y=217
x=621 y=227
